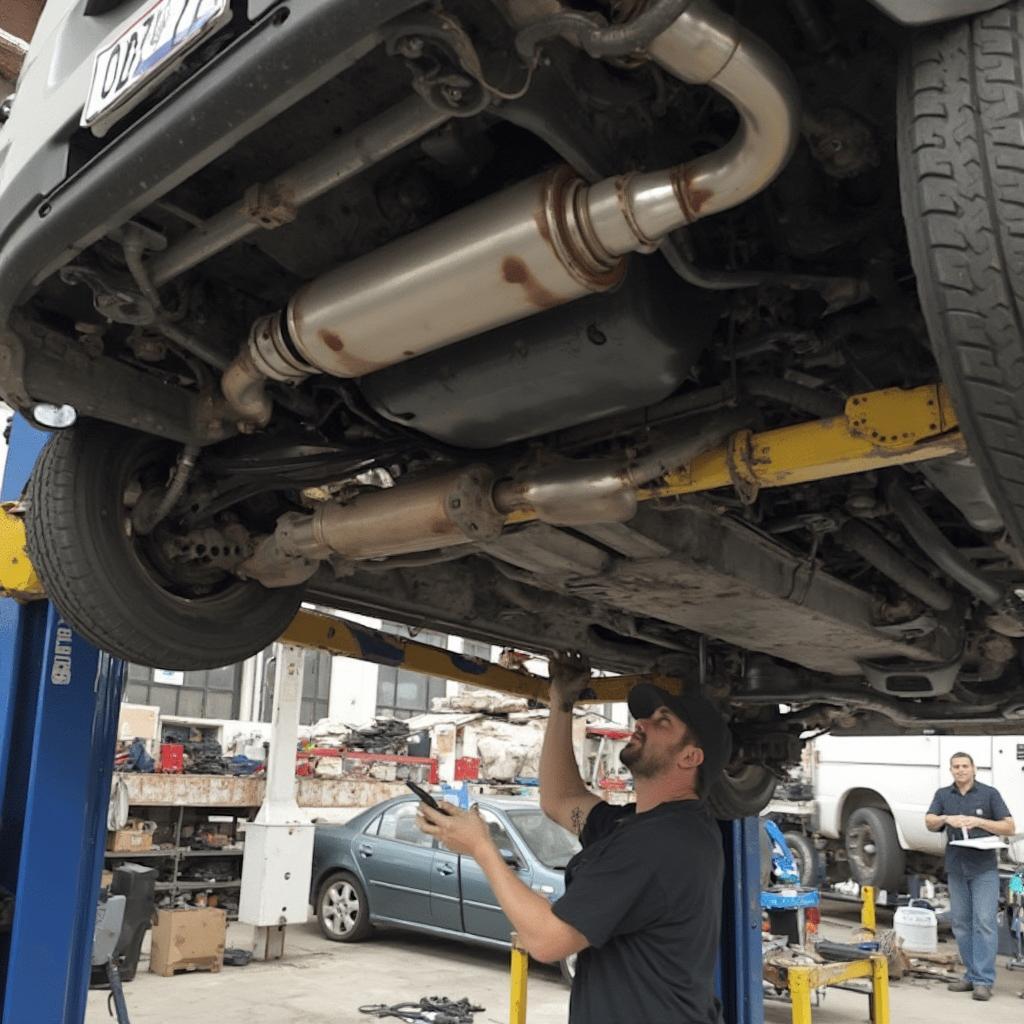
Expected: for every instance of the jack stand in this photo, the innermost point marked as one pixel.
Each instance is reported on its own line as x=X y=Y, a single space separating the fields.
x=278 y=863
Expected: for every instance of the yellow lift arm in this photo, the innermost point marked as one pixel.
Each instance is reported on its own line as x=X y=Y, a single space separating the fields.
x=878 y=429
x=352 y=640
x=891 y=427
x=17 y=577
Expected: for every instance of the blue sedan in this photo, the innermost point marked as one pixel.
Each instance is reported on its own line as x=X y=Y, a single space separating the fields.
x=380 y=869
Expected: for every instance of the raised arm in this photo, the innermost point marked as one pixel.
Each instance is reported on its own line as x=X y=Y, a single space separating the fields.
x=563 y=796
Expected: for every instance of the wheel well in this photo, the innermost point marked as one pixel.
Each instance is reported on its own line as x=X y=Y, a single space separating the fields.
x=858 y=798
x=319 y=881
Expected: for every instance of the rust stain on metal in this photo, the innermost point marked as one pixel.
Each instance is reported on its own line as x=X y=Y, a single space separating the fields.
x=232 y=791
x=691 y=199
x=515 y=271
x=331 y=340
x=194 y=790
x=346 y=364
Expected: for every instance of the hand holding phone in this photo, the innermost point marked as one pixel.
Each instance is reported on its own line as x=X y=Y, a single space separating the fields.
x=424 y=796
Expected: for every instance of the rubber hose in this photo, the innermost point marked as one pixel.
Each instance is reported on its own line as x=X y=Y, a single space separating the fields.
x=590 y=33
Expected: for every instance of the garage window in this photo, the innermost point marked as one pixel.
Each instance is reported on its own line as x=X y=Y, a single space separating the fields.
x=316 y=687
x=402 y=694
x=212 y=694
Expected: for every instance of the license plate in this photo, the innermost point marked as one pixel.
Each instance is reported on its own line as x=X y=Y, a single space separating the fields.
x=147 y=48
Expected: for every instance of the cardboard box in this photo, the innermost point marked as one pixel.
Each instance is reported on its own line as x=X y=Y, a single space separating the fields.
x=139 y=721
x=129 y=840
x=188 y=940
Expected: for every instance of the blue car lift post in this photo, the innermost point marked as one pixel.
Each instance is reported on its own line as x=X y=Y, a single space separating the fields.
x=59 y=700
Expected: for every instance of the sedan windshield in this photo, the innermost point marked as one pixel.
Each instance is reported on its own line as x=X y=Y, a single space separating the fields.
x=551 y=844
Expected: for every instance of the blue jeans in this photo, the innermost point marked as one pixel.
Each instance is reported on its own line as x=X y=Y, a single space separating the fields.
x=974 y=896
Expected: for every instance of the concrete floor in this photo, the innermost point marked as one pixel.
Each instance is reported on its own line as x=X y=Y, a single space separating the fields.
x=325 y=983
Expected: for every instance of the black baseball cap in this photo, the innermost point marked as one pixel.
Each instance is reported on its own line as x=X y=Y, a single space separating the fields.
x=710 y=730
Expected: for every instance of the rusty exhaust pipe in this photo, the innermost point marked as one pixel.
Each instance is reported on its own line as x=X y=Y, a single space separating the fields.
x=469 y=504
x=540 y=244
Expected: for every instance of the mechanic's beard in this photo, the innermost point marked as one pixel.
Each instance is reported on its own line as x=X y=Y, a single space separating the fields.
x=642 y=763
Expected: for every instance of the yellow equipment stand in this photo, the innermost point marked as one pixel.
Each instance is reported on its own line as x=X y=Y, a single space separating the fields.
x=520 y=967
x=802 y=981
x=867 y=908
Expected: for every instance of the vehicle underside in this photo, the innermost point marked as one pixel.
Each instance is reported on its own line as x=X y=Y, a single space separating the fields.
x=459 y=338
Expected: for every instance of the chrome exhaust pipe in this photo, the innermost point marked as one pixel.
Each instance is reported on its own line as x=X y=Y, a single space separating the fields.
x=540 y=244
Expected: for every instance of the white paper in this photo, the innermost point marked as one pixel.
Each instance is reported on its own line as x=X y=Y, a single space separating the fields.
x=983 y=843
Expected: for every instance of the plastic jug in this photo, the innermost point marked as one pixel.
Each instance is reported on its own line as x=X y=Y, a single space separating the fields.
x=917 y=925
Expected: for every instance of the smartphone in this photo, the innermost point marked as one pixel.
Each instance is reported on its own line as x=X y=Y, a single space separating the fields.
x=424 y=796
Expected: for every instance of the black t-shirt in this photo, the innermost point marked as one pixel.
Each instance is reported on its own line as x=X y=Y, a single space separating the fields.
x=980 y=801
x=646 y=891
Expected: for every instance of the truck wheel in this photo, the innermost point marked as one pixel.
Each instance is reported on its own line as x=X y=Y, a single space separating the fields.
x=119 y=590
x=873 y=849
x=961 y=124
x=805 y=855
x=742 y=794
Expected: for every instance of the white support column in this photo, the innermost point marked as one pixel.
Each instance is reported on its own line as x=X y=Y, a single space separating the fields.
x=278 y=861
x=247 y=690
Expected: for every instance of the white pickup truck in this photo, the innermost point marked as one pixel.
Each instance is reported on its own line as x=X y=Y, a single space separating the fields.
x=871 y=794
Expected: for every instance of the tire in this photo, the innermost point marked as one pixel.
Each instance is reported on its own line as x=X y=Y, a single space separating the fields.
x=873 y=849
x=101 y=578
x=342 y=910
x=568 y=968
x=743 y=794
x=805 y=855
x=961 y=153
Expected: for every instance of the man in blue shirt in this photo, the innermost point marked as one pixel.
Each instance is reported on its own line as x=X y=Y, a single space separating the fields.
x=970 y=810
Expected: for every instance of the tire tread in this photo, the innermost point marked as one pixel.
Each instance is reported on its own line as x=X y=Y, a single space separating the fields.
x=961 y=135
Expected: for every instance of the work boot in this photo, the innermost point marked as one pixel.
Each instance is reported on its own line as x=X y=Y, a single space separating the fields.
x=963 y=985
x=982 y=993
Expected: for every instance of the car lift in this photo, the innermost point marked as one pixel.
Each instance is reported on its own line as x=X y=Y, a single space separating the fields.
x=59 y=702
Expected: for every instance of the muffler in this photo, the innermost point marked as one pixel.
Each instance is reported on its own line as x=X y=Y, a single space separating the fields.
x=542 y=243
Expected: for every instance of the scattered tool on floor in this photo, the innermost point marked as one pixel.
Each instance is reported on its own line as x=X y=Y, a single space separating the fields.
x=432 y=1009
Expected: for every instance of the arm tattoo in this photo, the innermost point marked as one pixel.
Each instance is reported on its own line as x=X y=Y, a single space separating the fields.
x=577 y=820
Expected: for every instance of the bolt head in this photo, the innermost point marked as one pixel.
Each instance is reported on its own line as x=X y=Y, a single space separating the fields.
x=410 y=46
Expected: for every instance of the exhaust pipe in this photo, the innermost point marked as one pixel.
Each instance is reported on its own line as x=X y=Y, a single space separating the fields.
x=465 y=505
x=540 y=244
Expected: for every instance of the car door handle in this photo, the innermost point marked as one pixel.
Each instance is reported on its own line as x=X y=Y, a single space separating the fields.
x=365 y=849
x=446 y=869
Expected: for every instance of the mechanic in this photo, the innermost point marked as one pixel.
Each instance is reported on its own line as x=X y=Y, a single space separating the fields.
x=969 y=809
x=643 y=897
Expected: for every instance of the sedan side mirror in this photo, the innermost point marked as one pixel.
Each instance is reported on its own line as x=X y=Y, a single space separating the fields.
x=509 y=857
